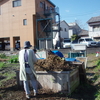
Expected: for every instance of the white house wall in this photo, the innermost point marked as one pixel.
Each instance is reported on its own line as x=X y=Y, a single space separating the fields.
x=63 y=33
x=70 y=33
x=92 y=33
x=90 y=28
x=56 y=38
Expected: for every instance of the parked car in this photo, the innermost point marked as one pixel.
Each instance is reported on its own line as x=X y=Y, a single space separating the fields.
x=66 y=43
x=74 y=42
x=89 y=42
x=98 y=43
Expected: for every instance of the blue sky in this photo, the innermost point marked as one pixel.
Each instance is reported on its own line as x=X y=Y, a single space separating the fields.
x=78 y=10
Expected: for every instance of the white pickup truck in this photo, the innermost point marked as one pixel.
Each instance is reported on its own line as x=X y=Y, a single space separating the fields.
x=89 y=42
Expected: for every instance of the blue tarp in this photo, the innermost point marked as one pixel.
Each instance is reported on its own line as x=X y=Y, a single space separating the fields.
x=41 y=58
x=71 y=59
x=58 y=53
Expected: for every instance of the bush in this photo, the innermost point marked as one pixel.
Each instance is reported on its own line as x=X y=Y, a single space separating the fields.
x=14 y=59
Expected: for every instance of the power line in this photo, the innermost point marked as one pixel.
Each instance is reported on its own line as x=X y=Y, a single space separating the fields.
x=78 y=15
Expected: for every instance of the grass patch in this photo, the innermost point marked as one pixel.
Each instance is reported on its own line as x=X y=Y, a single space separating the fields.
x=95 y=61
x=96 y=77
x=9 y=75
x=8 y=67
x=97 y=95
x=13 y=59
x=2 y=65
x=97 y=69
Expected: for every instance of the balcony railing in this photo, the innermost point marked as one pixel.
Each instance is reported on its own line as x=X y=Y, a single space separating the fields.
x=94 y=34
x=48 y=12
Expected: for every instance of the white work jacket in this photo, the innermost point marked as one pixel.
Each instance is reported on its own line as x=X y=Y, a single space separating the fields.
x=31 y=60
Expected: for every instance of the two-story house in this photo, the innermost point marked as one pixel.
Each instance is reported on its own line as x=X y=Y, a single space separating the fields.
x=74 y=28
x=27 y=20
x=94 y=27
x=64 y=33
x=83 y=33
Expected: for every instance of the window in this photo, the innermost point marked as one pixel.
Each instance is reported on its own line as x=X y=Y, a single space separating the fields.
x=65 y=29
x=42 y=4
x=51 y=8
x=24 y=21
x=81 y=40
x=46 y=6
x=16 y=3
x=88 y=39
x=67 y=40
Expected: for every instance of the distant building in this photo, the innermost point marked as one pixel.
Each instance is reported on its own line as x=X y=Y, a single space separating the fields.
x=94 y=27
x=27 y=20
x=67 y=30
x=64 y=33
x=64 y=29
x=74 y=28
x=84 y=33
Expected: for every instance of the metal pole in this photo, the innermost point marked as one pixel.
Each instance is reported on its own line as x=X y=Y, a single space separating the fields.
x=59 y=32
x=37 y=34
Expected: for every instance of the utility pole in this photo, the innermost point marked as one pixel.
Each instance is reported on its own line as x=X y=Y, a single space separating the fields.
x=59 y=31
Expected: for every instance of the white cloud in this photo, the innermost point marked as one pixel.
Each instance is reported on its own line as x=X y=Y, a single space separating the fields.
x=67 y=10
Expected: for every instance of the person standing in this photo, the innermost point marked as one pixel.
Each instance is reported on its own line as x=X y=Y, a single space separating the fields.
x=27 y=59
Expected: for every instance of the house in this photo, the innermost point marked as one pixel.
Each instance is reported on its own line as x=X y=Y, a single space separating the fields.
x=74 y=29
x=67 y=31
x=83 y=33
x=64 y=33
x=27 y=20
x=94 y=27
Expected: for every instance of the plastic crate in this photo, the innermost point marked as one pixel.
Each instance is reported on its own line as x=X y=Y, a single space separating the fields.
x=74 y=55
